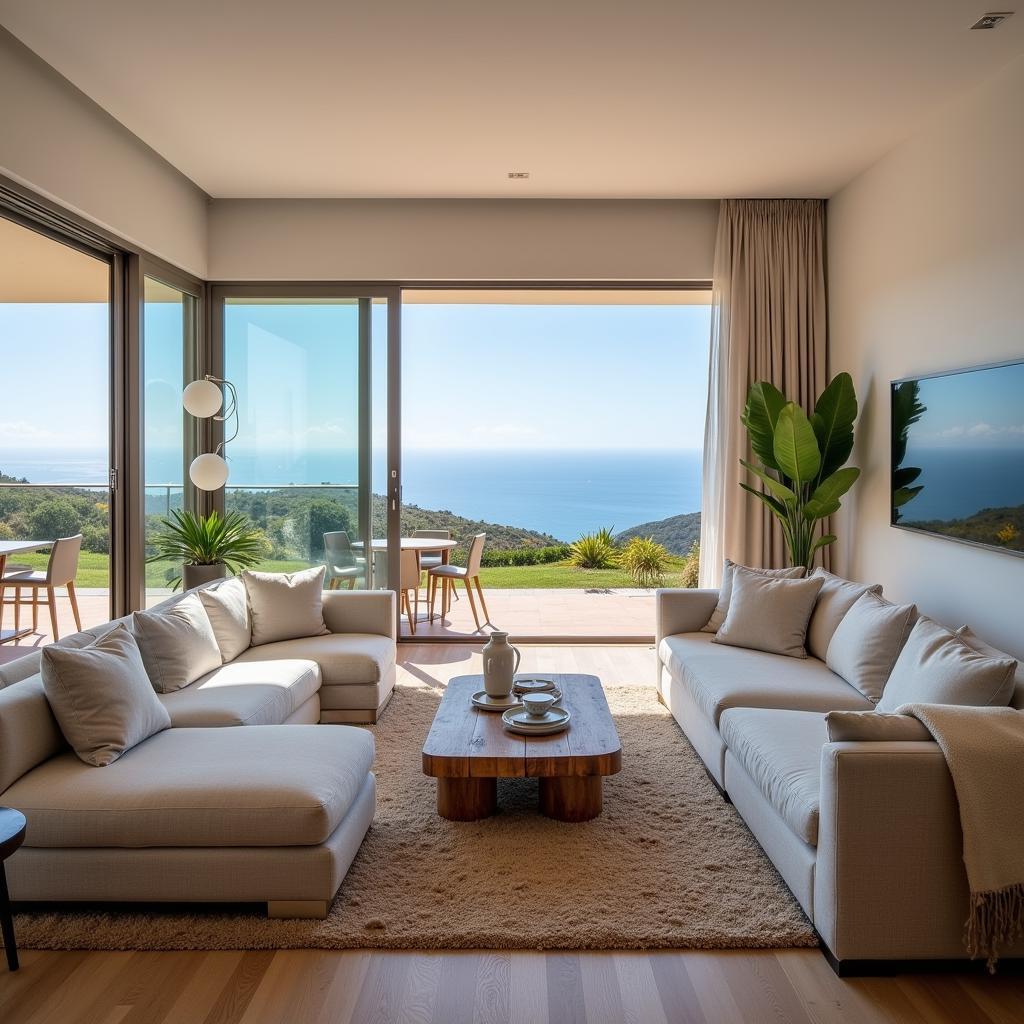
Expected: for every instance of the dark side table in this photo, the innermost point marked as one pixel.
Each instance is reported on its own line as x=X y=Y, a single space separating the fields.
x=12 y=835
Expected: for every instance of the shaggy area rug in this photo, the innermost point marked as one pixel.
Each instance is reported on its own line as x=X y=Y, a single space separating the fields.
x=668 y=864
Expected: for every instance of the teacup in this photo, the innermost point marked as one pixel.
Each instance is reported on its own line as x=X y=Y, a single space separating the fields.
x=538 y=704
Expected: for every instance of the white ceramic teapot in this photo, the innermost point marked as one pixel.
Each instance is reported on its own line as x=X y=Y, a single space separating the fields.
x=501 y=662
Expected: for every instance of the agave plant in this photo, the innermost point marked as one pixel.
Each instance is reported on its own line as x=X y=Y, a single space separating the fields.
x=645 y=560
x=802 y=460
x=229 y=540
x=593 y=550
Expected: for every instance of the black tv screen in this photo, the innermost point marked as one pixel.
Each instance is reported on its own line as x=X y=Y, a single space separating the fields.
x=958 y=455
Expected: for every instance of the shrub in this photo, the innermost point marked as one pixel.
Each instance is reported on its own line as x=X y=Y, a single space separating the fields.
x=690 y=576
x=524 y=556
x=645 y=560
x=55 y=518
x=593 y=551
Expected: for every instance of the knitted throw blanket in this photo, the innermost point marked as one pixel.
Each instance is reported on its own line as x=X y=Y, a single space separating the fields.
x=984 y=749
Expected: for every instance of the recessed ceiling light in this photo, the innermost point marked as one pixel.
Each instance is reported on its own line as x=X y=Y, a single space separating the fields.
x=518 y=174
x=991 y=20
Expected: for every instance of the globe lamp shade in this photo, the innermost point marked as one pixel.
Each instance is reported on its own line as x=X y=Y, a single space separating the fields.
x=208 y=472
x=202 y=399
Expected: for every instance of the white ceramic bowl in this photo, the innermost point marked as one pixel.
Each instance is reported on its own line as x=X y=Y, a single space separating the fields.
x=538 y=703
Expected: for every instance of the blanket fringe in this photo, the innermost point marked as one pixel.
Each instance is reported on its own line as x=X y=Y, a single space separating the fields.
x=996 y=918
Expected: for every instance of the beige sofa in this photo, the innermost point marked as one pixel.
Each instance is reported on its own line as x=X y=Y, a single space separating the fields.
x=866 y=835
x=200 y=811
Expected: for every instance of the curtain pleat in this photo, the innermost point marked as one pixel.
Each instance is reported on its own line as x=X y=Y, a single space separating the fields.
x=768 y=322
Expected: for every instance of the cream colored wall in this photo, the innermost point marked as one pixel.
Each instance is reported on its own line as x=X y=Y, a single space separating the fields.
x=338 y=239
x=55 y=140
x=926 y=256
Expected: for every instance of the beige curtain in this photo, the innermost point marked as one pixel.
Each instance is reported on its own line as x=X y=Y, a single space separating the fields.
x=768 y=323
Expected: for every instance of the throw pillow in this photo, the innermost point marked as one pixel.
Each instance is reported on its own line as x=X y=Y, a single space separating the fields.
x=1017 y=697
x=285 y=605
x=227 y=605
x=836 y=597
x=725 y=590
x=867 y=642
x=177 y=643
x=939 y=667
x=768 y=614
x=876 y=726
x=101 y=696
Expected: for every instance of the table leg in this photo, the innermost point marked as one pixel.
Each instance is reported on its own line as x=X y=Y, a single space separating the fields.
x=466 y=799
x=7 y=923
x=572 y=797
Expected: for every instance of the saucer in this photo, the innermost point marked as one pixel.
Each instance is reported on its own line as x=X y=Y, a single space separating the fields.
x=482 y=699
x=520 y=721
x=534 y=684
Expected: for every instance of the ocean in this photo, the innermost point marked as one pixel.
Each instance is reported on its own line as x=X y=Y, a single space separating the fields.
x=958 y=483
x=563 y=493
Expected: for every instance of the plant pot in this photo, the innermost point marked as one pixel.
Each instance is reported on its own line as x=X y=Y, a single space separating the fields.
x=197 y=575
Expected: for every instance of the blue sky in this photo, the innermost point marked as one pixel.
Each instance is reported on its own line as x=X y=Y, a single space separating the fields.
x=978 y=409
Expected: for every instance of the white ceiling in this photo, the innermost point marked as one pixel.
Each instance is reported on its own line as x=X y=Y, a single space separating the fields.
x=595 y=98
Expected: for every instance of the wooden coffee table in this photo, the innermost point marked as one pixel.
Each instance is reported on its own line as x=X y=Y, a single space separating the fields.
x=468 y=750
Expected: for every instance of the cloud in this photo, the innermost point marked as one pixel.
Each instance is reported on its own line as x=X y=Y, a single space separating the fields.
x=982 y=430
x=22 y=430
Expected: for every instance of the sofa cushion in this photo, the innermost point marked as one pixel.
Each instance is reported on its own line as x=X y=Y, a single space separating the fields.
x=725 y=590
x=227 y=605
x=1017 y=697
x=940 y=667
x=768 y=614
x=285 y=605
x=866 y=644
x=101 y=696
x=283 y=785
x=177 y=643
x=258 y=692
x=29 y=734
x=720 y=677
x=344 y=658
x=836 y=597
x=781 y=752
x=874 y=727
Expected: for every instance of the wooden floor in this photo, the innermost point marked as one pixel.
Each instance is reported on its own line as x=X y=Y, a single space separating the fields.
x=276 y=987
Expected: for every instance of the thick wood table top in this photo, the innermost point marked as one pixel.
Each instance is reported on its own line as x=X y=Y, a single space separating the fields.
x=465 y=742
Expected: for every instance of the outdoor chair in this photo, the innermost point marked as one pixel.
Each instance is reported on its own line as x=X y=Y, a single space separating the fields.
x=61 y=571
x=342 y=563
x=450 y=574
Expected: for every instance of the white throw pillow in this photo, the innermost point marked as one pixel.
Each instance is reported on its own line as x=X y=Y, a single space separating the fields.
x=101 y=696
x=177 y=643
x=1017 y=697
x=939 y=667
x=227 y=605
x=767 y=614
x=867 y=642
x=714 y=624
x=836 y=597
x=874 y=726
x=285 y=605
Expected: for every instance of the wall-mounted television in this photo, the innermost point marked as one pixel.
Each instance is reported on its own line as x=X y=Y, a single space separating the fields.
x=958 y=455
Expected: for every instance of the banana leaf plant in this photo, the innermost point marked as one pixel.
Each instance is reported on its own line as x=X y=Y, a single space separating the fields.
x=907 y=409
x=802 y=459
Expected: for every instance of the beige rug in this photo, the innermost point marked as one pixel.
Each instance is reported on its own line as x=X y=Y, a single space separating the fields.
x=668 y=864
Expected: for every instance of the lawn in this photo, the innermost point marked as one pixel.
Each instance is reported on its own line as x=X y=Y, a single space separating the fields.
x=93 y=572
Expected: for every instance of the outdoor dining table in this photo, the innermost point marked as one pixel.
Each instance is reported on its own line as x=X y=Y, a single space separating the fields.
x=16 y=547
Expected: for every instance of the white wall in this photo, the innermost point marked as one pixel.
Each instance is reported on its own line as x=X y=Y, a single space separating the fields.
x=339 y=239
x=55 y=140
x=926 y=256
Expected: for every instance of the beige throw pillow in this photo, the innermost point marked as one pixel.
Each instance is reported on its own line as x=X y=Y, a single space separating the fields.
x=177 y=643
x=874 y=726
x=836 y=597
x=101 y=696
x=725 y=590
x=867 y=642
x=227 y=605
x=1017 y=697
x=767 y=614
x=939 y=667
x=285 y=605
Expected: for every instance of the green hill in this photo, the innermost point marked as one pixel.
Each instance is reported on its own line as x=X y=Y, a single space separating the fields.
x=999 y=527
x=677 y=533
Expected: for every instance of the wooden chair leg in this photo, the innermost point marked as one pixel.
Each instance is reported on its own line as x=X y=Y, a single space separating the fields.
x=3 y=605
x=416 y=603
x=74 y=605
x=472 y=603
x=431 y=583
x=483 y=603
x=35 y=609
x=17 y=608
x=51 y=600
x=351 y=583
x=409 y=613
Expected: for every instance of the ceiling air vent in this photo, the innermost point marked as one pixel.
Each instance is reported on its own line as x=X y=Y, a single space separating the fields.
x=991 y=20
x=518 y=174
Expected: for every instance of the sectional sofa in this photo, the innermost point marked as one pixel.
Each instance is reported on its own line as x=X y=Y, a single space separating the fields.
x=865 y=834
x=211 y=810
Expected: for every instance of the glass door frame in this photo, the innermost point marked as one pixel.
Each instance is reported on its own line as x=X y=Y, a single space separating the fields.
x=367 y=292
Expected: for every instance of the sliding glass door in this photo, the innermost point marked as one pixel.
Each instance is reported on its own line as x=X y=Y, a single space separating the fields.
x=301 y=465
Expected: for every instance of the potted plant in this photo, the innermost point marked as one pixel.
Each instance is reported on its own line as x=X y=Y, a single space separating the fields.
x=802 y=459
x=208 y=547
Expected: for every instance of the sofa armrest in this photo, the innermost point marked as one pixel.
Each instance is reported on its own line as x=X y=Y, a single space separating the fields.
x=889 y=879
x=361 y=611
x=682 y=610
